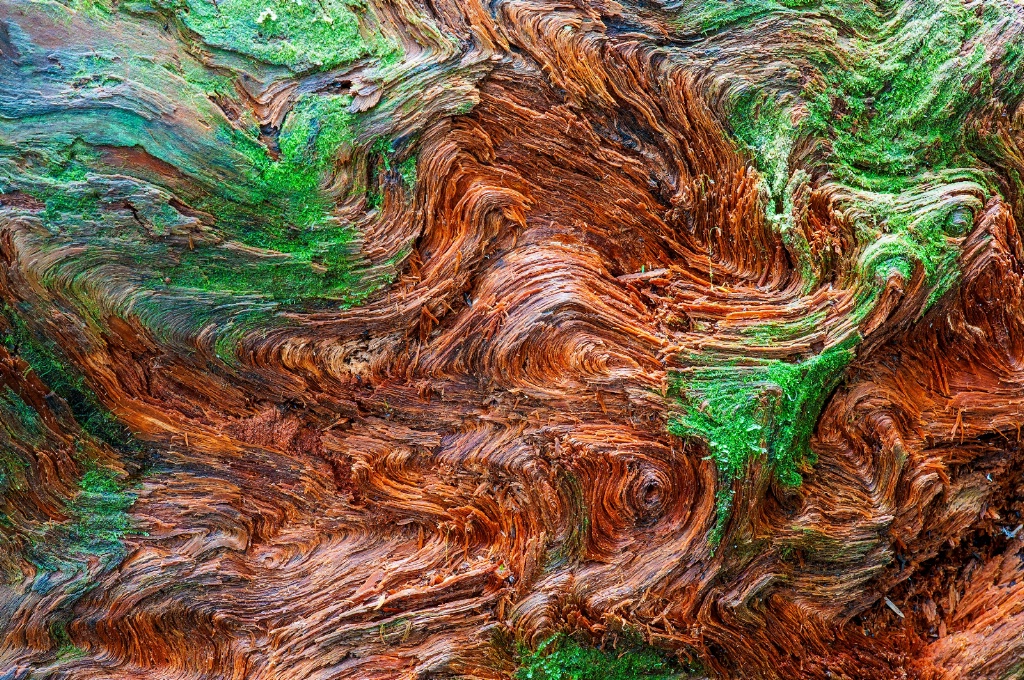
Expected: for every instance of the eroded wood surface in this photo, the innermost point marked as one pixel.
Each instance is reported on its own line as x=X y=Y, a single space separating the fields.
x=386 y=358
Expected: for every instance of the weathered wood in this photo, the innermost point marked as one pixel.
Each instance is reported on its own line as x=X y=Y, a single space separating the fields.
x=391 y=339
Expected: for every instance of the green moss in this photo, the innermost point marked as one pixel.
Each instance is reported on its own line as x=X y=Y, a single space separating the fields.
x=918 y=227
x=704 y=17
x=897 y=106
x=407 y=170
x=12 y=470
x=893 y=104
x=307 y=254
x=46 y=360
x=97 y=523
x=764 y=128
x=1011 y=70
x=276 y=203
x=755 y=409
x=769 y=334
x=708 y=17
x=562 y=658
x=383 y=148
x=62 y=184
x=66 y=649
x=464 y=107
x=723 y=510
x=24 y=422
x=289 y=187
x=100 y=520
x=259 y=205
x=21 y=424
x=383 y=159
x=300 y=34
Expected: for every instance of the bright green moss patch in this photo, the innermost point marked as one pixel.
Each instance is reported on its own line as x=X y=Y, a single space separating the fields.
x=756 y=409
x=708 y=17
x=764 y=128
x=278 y=211
x=893 y=102
x=100 y=520
x=897 y=106
x=761 y=408
x=247 y=210
x=269 y=194
x=320 y=272
x=289 y=188
x=300 y=251
x=296 y=33
x=314 y=129
x=920 y=226
x=562 y=658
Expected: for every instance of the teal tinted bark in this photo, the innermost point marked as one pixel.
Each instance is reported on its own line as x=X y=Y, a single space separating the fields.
x=120 y=92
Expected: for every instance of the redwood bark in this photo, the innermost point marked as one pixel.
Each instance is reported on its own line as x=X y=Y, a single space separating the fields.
x=508 y=319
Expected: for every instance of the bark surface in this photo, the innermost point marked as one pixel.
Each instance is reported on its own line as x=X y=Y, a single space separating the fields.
x=383 y=340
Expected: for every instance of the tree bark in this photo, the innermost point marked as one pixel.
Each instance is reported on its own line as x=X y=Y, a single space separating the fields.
x=392 y=339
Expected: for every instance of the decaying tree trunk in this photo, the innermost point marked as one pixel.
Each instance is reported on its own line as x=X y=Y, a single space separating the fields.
x=390 y=339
